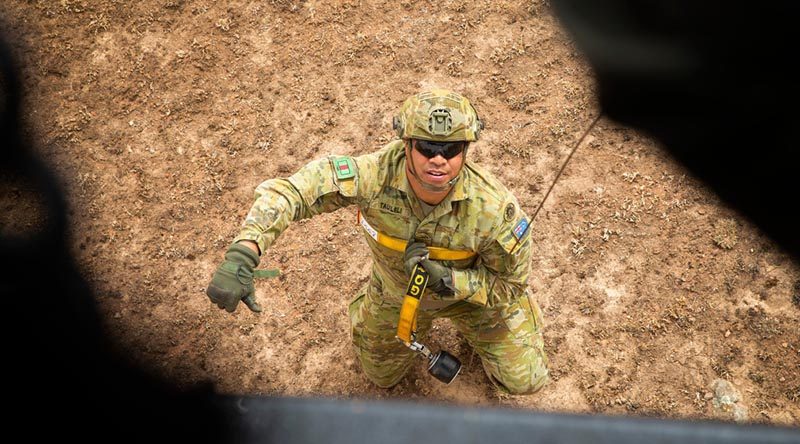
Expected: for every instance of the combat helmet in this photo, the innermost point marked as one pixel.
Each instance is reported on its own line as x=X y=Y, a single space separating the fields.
x=438 y=115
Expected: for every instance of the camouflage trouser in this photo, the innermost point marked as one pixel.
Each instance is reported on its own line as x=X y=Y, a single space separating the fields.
x=509 y=344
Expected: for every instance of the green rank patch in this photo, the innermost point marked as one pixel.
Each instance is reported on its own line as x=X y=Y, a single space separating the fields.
x=344 y=168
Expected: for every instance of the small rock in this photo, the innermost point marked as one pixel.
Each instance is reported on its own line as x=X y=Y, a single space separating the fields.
x=708 y=396
x=740 y=413
x=724 y=392
x=727 y=333
x=726 y=399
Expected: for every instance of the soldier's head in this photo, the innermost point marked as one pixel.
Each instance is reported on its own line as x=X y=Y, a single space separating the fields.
x=437 y=127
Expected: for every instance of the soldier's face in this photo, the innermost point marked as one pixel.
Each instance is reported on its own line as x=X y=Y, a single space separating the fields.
x=435 y=170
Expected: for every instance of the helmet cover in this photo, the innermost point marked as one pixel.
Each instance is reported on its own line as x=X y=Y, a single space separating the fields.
x=438 y=115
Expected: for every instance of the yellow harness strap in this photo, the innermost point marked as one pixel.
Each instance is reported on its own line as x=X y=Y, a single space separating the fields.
x=392 y=243
x=407 y=324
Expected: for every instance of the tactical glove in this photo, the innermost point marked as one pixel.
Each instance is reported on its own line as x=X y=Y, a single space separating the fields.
x=414 y=254
x=440 y=278
x=233 y=280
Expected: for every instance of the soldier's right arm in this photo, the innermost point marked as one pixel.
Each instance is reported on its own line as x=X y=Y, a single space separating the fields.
x=316 y=188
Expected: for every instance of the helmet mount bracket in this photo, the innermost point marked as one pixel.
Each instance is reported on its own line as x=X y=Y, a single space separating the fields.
x=440 y=123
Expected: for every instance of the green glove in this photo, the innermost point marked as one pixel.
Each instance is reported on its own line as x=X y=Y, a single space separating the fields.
x=233 y=280
x=440 y=278
x=414 y=254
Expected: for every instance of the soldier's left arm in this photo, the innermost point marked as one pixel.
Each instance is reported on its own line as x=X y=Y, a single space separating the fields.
x=502 y=269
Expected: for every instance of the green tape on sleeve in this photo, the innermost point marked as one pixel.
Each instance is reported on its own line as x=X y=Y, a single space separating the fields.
x=267 y=273
x=344 y=168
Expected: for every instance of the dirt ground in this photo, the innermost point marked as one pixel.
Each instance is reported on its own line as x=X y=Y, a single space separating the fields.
x=162 y=116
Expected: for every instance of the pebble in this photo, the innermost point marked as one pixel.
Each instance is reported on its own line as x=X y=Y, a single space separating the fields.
x=726 y=400
x=739 y=413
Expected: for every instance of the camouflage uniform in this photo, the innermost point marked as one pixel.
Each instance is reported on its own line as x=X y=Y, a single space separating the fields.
x=478 y=215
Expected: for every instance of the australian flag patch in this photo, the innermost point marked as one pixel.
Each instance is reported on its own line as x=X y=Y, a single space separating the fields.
x=521 y=228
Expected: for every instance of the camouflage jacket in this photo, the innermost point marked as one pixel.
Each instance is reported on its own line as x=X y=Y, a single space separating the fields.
x=479 y=215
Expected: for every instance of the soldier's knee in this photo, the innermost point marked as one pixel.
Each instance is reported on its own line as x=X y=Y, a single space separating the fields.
x=532 y=384
x=384 y=369
x=522 y=383
x=384 y=375
x=384 y=381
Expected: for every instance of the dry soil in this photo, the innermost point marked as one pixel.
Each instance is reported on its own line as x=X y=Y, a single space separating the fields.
x=161 y=117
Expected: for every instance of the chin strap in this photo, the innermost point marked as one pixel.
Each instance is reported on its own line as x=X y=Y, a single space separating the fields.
x=429 y=187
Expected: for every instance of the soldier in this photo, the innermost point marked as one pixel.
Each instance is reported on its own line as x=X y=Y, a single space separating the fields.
x=416 y=196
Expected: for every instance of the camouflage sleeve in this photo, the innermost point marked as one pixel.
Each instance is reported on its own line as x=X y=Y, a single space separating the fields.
x=502 y=270
x=316 y=188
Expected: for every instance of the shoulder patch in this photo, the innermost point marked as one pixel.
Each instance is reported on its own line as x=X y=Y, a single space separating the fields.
x=344 y=168
x=510 y=212
x=521 y=228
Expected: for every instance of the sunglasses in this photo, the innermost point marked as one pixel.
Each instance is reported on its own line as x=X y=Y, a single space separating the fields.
x=429 y=149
